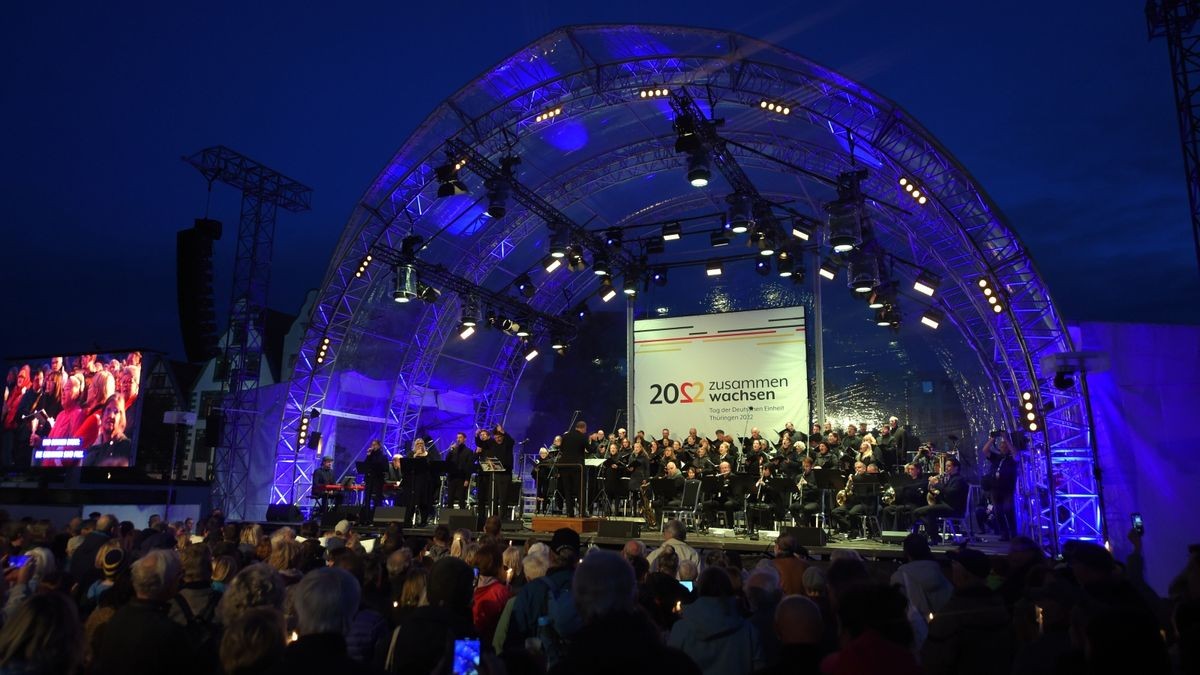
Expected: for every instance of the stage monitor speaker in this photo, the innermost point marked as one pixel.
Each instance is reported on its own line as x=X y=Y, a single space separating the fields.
x=389 y=514
x=619 y=529
x=894 y=536
x=339 y=513
x=283 y=513
x=314 y=440
x=468 y=522
x=445 y=515
x=806 y=536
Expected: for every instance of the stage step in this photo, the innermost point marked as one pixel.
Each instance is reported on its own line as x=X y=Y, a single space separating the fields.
x=552 y=523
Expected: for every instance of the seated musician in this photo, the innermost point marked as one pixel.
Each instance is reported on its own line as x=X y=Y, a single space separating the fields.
x=724 y=454
x=677 y=478
x=755 y=456
x=867 y=455
x=702 y=463
x=789 y=458
x=947 y=499
x=692 y=442
x=684 y=457
x=322 y=477
x=668 y=455
x=761 y=501
x=856 y=503
x=926 y=461
x=908 y=498
x=808 y=503
x=639 y=470
x=723 y=499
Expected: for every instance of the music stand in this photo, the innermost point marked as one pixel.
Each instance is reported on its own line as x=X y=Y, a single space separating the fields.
x=830 y=481
x=493 y=468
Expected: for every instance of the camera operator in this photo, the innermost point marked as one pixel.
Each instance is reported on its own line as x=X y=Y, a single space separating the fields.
x=1002 y=472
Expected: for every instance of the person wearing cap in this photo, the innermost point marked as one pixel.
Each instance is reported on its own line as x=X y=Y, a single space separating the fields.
x=112 y=561
x=921 y=578
x=971 y=633
x=536 y=596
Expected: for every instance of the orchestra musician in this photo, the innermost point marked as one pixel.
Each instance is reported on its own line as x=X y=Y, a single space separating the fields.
x=755 y=457
x=570 y=466
x=855 y=504
x=760 y=502
x=825 y=459
x=808 y=501
x=614 y=471
x=638 y=468
x=724 y=454
x=692 y=442
x=754 y=437
x=723 y=499
x=947 y=498
x=909 y=498
x=458 y=475
x=322 y=477
x=376 y=466
x=702 y=463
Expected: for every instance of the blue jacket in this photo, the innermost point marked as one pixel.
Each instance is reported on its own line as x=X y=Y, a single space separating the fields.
x=718 y=638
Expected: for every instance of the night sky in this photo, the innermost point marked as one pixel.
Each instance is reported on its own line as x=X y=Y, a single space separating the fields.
x=1064 y=116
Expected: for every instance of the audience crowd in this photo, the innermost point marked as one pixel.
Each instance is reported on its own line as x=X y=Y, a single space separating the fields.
x=104 y=597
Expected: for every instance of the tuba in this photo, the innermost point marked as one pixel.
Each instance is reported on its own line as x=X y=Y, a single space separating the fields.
x=844 y=494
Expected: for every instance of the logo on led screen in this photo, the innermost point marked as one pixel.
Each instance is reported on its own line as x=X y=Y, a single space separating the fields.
x=717 y=391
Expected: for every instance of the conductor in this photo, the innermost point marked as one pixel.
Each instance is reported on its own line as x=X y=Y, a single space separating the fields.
x=570 y=465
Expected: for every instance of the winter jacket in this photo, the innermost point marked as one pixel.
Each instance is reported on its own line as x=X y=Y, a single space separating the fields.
x=717 y=638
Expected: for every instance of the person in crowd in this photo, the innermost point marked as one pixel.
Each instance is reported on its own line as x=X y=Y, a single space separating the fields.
x=762 y=594
x=921 y=578
x=83 y=564
x=112 y=563
x=800 y=629
x=790 y=562
x=257 y=585
x=634 y=548
x=712 y=632
x=112 y=447
x=39 y=566
x=970 y=633
x=511 y=570
x=491 y=593
x=254 y=643
x=620 y=638
x=458 y=546
x=141 y=637
x=675 y=536
x=545 y=597
x=876 y=635
x=196 y=601
x=43 y=637
x=325 y=602
x=421 y=641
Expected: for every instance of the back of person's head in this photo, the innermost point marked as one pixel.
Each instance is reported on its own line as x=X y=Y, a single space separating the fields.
x=535 y=565
x=42 y=636
x=349 y=560
x=399 y=562
x=714 y=583
x=815 y=581
x=763 y=589
x=458 y=546
x=441 y=534
x=786 y=546
x=326 y=601
x=257 y=585
x=224 y=567
x=879 y=607
x=916 y=547
x=450 y=586
x=798 y=621
x=105 y=523
x=846 y=573
x=667 y=561
x=197 y=564
x=603 y=585
x=511 y=558
x=487 y=560
x=641 y=568
x=491 y=526
x=634 y=548
x=675 y=529
x=156 y=575
x=413 y=593
x=253 y=643
x=688 y=570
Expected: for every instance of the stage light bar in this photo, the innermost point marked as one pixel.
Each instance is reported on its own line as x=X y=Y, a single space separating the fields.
x=801 y=231
x=548 y=115
x=990 y=294
x=771 y=106
x=913 y=190
x=630 y=288
x=1031 y=418
x=828 y=269
x=714 y=269
x=323 y=350
x=927 y=283
x=933 y=318
x=657 y=92
x=466 y=331
x=600 y=267
x=362 y=267
x=672 y=232
x=719 y=238
x=550 y=263
x=607 y=292
x=531 y=353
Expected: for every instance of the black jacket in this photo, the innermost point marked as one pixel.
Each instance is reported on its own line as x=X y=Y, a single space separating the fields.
x=462 y=461
x=320 y=654
x=573 y=445
x=141 y=638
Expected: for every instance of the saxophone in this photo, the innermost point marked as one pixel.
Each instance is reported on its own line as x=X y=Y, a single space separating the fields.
x=844 y=494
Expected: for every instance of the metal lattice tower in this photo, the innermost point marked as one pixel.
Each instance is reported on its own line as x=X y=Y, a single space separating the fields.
x=264 y=191
x=1176 y=21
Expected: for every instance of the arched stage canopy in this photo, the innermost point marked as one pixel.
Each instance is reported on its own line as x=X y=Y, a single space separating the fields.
x=609 y=159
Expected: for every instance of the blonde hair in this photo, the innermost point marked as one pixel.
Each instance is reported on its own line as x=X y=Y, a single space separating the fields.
x=251 y=533
x=80 y=389
x=101 y=389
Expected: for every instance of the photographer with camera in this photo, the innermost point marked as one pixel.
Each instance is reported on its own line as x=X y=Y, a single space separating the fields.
x=1002 y=472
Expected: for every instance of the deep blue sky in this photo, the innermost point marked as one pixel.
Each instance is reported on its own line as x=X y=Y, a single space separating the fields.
x=1065 y=116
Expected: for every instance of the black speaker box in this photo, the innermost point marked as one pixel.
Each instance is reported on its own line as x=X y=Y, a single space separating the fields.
x=284 y=513
x=619 y=529
x=806 y=536
x=339 y=513
x=389 y=514
x=445 y=515
x=214 y=428
x=314 y=440
x=469 y=523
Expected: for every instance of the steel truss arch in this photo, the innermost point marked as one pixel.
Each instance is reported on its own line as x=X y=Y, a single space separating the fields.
x=593 y=72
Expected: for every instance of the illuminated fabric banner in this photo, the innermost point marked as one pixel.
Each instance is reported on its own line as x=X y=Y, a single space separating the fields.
x=731 y=371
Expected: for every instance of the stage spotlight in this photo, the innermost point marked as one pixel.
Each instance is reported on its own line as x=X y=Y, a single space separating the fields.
x=778 y=108
x=863 y=273
x=428 y=293
x=448 y=183
x=659 y=276
x=655 y=92
x=719 y=238
x=741 y=213
x=465 y=331
x=522 y=328
x=410 y=246
x=766 y=245
x=469 y=315
x=926 y=283
x=698 y=173
x=613 y=236
x=497 y=195
x=845 y=225
x=630 y=288
x=323 y=350
x=600 y=267
x=933 y=318
x=763 y=267
x=406 y=283
x=558 y=343
x=993 y=297
x=714 y=268
x=888 y=317
x=801 y=231
x=828 y=269
x=785 y=265
x=531 y=353
x=559 y=243
x=548 y=115
x=550 y=263
x=509 y=325
x=525 y=286
x=878 y=298
x=1064 y=380
x=575 y=261
x=362 y=267
x=607 y=292
x=672 y=232
x=1031 y=417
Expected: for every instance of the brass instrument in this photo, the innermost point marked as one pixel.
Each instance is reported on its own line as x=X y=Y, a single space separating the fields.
x=932 y=495
x=843 y=495
x=888 y=497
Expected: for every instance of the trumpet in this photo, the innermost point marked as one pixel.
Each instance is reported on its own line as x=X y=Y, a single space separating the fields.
x=844 y=494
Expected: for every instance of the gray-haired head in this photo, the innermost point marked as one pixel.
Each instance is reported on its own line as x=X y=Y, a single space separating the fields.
x=326 y=600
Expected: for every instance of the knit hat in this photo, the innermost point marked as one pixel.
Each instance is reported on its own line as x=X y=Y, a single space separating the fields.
x=565 y=537
x=112 y=562
x=343 y=527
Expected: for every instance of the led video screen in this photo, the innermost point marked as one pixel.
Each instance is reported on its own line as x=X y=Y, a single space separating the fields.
x=73 y=410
